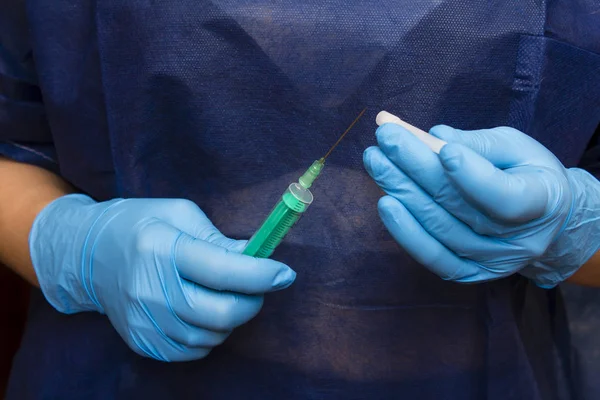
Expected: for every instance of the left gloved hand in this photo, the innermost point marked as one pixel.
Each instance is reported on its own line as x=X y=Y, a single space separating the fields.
x=493 y=202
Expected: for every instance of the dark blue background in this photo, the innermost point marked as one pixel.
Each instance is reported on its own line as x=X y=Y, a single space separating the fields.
x=225 y=102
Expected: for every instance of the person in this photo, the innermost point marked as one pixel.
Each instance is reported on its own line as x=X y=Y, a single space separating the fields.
x=144 y=142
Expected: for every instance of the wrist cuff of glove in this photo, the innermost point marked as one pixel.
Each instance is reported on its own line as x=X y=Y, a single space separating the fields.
x=55 y=243
x=579 y=240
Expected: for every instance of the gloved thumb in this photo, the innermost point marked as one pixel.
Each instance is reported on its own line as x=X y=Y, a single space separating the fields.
x=515 y=195
x=211 y=234
x=236 y=246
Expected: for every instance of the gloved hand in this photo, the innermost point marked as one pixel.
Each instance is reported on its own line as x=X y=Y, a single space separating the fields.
x=493 y=203
x=171 y=284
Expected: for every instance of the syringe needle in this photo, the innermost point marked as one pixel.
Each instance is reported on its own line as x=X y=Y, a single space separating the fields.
x=287 y=211
x=307 y=179
x=343 y=134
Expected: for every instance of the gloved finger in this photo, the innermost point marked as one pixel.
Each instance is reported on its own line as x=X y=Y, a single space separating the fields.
x=214 y=310
x=191 y=336
x=212 y=235
x=511 y=197
x=149 y=337
x=218 y=268
x=236 y=246
x=438 y=222
x=183 y=214
x=190 y=354
x=167 y=300
x=504 y=147
x=167 y=318
x=423 y=166
x=382 y=169
x=424 y=248
x=412 y=156
x=186 y=216
x=154 y=346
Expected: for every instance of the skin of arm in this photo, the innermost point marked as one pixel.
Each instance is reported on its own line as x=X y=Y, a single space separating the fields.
x=589 y=273
x=26 y=190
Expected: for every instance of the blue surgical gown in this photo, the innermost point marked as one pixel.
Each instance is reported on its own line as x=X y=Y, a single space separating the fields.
x=225 y=102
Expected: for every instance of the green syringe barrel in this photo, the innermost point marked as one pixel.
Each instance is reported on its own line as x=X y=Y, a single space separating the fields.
x=294 y=201
x=288 y=210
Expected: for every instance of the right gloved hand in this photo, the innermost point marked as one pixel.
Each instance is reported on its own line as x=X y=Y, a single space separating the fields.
x=171 y=284
x=494 y=202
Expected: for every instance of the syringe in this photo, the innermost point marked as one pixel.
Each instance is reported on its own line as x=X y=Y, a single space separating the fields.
x=294 y=201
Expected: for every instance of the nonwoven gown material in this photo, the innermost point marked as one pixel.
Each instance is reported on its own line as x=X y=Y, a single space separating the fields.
x=225 y=103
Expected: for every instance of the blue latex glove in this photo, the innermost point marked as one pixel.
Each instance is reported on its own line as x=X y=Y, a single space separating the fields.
x=171 y=284
x=493 y=203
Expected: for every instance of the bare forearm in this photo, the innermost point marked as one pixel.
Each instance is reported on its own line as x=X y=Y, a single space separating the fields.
x=26 y=190
x=589 y=273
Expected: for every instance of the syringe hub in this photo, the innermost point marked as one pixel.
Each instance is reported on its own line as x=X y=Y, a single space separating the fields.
x=307 y=179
